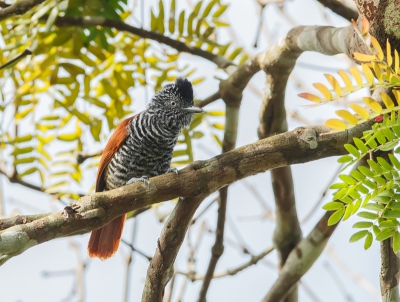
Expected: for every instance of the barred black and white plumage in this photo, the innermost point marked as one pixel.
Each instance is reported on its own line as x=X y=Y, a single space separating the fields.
x=152 y=136
x=141 y=147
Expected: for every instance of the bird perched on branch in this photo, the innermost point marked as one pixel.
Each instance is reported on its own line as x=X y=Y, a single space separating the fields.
x=141 y=147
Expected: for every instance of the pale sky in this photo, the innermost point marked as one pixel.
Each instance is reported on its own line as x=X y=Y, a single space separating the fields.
x=22 y=278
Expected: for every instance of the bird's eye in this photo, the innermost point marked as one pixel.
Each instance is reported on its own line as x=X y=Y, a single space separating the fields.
x=173 y=104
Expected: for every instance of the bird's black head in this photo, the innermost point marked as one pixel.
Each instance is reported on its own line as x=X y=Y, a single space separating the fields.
x=177 y=98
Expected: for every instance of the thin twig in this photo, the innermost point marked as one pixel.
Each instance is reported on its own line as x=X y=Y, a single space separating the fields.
x=89 y=21
x=129 y=262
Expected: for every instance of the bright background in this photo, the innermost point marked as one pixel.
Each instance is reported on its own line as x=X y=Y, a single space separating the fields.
x=344 y=272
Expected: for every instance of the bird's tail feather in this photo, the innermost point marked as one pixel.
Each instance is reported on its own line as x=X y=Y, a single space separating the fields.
x=104 y=242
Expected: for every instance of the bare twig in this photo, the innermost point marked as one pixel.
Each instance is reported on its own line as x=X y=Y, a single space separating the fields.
x=88 y=21
x=340 y=9
x=356 y=276
x=129 y=262
x=233 y=271
x=25 y=53
x=212 y=98
x=82 y=156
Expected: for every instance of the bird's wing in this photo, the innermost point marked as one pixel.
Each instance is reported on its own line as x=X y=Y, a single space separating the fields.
x=114 y=143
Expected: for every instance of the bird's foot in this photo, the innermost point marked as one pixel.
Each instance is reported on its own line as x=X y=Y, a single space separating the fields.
x=173 y=170
x=144 y=179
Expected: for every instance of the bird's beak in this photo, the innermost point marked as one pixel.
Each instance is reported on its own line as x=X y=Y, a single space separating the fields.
x=192 y=109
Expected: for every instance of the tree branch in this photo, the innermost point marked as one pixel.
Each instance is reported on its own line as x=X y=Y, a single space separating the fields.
x=389 y=276
x=89 y=21
x=18 y=8
x=340 y=9
x=201 y=177
x=161 y=268
x=300 y=260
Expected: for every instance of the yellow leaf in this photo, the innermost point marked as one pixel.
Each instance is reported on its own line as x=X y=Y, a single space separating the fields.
x=324 y=90
x=346 y=79
x=334 y=83
x=361 y=111
x=363 y=57
x=378 y=71
x=376 y=45
x=365 y=26
x=368 y=73
x=389 y=57
x=397 y=95
x=374 y=105
x=356 y=75
x=387 y=100
x=68 y=137
x=347 y=116
x=396 y=61
x=310 y=97
x=335 y=124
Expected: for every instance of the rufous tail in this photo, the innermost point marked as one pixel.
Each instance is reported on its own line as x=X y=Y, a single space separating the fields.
x=104 y=242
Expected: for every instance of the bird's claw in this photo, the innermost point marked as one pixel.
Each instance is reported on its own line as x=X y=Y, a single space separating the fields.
x=173 y=170
x=144 y=179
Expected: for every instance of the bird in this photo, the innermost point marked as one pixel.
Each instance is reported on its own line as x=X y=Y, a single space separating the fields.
x=141 y=147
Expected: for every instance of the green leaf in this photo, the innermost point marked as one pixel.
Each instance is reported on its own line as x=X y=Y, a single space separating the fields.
x=181 y=25
x=374 y=207
x=208 y=9
x=395 y=162
x=348 y=212
x=171 y=22
x=336 y=216
x=381 y=199
x=385 y=234
x=357 y=175
x=388 y=224
x=68 y=137
x=396 y=242
x=339 y=185
x=197 y=7
x=27 y=172
x=391 y=214
x=344 y=159
x=25 y=160
x=359 y=235
x=352 y=150
x=51 y=18
x=362 y=225
x=197 y=134
x=384 y=163
x=347 y=179
x=19 y=151
x=334 y=205
x=368 y=215
x=368 y=241
x=388 y=146
x=220 y=11
x=374 y=166
x=160 y=19
x=367 y=172
x=360 y=145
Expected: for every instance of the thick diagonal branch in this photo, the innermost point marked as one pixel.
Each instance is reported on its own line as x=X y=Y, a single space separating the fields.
x=300 y=260
x=203 y=177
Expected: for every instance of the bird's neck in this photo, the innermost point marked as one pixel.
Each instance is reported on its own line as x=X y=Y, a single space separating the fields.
x=171 y=121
